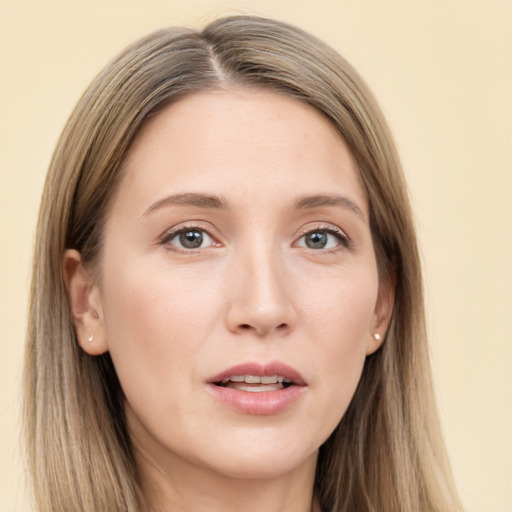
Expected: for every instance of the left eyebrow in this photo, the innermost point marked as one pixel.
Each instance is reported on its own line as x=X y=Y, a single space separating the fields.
x=329 y=200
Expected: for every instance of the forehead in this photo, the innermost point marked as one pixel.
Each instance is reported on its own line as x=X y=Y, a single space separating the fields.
x=239 y=142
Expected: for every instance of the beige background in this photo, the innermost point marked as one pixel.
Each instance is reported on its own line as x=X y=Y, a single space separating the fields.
x=442 y=71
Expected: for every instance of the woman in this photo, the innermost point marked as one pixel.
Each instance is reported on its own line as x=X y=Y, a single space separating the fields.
x=226 y=303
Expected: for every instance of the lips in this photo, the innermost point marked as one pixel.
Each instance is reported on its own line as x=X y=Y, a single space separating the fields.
x=255 y=383
x=256 y=388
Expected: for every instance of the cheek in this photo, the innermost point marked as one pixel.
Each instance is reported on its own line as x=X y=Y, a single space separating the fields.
x=155 y=323
x=340 y=323
x=339 y=312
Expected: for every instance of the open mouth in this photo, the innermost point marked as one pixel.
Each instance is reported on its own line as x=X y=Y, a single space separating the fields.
x=255 y=383
x=258 y=388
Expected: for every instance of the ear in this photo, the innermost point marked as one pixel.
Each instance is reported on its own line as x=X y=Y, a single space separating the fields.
x=382 y=313
x=85 y=303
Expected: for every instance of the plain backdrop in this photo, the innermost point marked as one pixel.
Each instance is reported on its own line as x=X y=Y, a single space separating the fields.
x=442 y=71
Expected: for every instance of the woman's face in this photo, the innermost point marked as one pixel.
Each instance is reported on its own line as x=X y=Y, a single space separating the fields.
x=239 y=292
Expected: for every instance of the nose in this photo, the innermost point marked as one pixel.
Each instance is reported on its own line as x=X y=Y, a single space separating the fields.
x=260 y=292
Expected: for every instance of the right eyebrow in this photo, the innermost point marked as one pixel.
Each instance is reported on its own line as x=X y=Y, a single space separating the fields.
x=188 y=199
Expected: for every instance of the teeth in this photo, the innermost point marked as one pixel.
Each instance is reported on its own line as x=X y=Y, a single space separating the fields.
x=254 y=379
x=258 y=388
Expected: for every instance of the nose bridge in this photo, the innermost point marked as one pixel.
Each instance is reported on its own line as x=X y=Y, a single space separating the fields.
x=260 y=301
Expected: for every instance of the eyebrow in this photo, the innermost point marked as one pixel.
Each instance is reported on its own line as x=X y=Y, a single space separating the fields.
x=189 y=199
x=329 y=200
x=215 y=202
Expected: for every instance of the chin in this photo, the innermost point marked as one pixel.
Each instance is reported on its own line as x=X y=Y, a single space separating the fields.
x=258 y=469
x=262 y=460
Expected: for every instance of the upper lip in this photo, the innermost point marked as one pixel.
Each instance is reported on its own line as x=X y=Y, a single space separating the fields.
x=261 y=370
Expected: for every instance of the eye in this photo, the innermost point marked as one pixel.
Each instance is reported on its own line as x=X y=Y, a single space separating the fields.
x=323 y=238
x=189 y=238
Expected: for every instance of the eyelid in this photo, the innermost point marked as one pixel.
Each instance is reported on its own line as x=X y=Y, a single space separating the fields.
x=342 y=236
x=172 y=232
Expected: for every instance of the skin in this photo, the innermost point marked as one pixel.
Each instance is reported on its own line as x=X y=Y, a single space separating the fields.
x=172 y=317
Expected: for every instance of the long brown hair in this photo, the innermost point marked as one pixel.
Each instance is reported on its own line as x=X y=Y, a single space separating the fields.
x=387 y=453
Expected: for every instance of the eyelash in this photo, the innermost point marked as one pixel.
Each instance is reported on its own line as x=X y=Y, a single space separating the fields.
x=168 y=236
x=340 y=235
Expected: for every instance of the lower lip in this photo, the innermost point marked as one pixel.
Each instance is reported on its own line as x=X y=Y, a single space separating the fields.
x=261 y=403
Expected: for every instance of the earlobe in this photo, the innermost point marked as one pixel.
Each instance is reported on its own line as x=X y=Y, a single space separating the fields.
x=382 y=314
x=374 y=343
x=85 y=304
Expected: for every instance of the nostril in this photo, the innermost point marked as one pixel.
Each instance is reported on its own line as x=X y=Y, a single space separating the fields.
x=247 y=327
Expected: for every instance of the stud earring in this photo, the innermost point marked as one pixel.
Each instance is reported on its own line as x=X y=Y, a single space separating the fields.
x=377 y=337
x=90 y=338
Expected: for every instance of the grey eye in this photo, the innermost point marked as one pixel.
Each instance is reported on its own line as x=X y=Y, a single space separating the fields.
x=191 y=239
x=316 y=240
x=322 y=239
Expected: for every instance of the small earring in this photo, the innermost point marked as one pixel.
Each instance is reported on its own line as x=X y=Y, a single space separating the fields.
x=376 y=336
x=90 y=338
